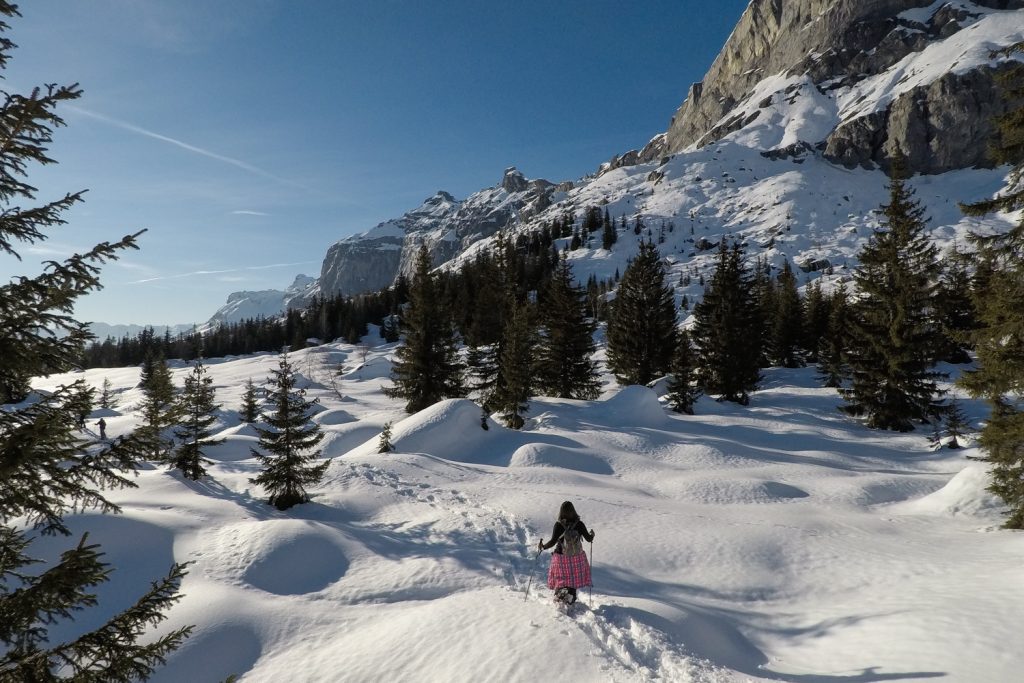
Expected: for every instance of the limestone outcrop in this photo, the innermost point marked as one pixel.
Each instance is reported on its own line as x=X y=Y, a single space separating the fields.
x=939 y=125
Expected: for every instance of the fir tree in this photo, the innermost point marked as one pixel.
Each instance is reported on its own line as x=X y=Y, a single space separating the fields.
x=999 y=339
x=512 y=397
x=955 y=309
x=289 y=438
x=565 y=367
x=608 y=234
x=427 y=367
x=832 y=349
x=197 y=407
x=815 y=320
x=48 y=469
x=787 y=322
x=642 y=322
x=384 y=445
x=250 y=411
x=765 y=297
x=107 y=399
x=683 y=391
x=160 y=408
x=728 y=353
x=894 y=338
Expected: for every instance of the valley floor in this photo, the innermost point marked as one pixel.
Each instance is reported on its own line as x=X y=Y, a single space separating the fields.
x=780 y=541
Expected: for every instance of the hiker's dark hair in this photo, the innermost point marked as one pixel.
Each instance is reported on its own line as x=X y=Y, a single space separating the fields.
x=568 y=512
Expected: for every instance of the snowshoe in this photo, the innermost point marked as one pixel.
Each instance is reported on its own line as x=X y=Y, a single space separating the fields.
x=565 y=596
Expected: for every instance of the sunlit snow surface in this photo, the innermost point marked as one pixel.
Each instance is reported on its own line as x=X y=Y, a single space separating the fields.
x=781 y=541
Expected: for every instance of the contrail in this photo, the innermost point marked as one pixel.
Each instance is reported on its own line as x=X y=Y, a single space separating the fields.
x=191 y=148
x=218 y=272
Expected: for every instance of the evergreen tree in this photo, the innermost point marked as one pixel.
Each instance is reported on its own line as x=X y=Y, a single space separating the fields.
x=512 y=397
x=765 y=297
x=608 y=234
x=894 y=338
x=197 y=407
x=107 y=399
x=728 y=353
x=160 y=408
x=250 y=403
x=832 y=349
x=565 y=367
x=815 y=321
x=683 y=391
x=48 y=470
x=384 y=445
x=288 y=438
x=999 y=339
x=955 y=309
x=427 y=368
x=642 y=322
x=787 y=322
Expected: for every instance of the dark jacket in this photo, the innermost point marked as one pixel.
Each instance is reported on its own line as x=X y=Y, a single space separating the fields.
x=556 y=535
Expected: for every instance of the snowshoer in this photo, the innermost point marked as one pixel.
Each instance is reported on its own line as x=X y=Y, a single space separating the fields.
x=102 y=424
x=570 y=568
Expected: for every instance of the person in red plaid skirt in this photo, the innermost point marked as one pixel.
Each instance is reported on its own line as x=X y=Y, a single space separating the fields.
x=570 y=568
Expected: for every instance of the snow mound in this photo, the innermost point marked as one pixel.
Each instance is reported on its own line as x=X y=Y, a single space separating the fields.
x=545 y=455
x=723 y=491
x=634 y=406
x=285 y=557
x=333 y=417
x=449 y=429
x=965 y=494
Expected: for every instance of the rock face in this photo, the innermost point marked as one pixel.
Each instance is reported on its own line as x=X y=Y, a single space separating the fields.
x=372 y=260
x=939 y=125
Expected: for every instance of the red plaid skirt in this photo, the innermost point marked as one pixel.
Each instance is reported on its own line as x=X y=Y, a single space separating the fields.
x=572 y=571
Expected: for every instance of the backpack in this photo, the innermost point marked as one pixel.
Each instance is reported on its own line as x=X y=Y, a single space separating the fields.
x=571 y=542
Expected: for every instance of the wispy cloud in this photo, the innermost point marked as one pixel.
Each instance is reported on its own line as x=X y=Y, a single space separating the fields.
x=246 y=212
x=238 y=163
x=195 y=273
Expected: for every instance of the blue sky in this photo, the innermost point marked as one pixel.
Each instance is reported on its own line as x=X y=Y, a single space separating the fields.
x=249 y=135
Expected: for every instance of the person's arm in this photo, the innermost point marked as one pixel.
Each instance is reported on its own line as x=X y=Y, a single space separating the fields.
x=556 y=534
x=589 y=535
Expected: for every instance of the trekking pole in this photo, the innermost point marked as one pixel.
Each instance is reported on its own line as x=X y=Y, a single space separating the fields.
x=591 y=559
x=532 y=572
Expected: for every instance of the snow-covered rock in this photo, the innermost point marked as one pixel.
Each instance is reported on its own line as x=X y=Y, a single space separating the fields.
x=266 y=303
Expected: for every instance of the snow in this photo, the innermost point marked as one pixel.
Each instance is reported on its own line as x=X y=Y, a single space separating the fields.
x=963 y=51
x=778 y=541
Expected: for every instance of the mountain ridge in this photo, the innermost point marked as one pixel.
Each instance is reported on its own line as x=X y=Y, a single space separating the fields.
x=910 y=75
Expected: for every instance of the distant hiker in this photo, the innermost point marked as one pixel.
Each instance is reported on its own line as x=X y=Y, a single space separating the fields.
x=570 y=568
x=82 y=414
x=102 y=424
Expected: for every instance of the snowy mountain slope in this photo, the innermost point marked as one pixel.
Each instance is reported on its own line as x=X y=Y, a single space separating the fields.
x=265 y=303
x=780 y=541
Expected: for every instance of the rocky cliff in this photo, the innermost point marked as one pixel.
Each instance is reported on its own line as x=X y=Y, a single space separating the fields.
x=940 y=123
x=372 y=260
